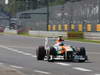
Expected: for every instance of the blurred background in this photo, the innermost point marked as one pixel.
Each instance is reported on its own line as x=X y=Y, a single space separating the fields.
x=51 y=15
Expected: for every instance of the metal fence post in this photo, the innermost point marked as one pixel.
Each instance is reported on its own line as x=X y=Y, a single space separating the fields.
x=47 y=4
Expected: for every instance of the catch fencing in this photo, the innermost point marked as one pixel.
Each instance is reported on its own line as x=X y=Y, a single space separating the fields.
x=81 y=15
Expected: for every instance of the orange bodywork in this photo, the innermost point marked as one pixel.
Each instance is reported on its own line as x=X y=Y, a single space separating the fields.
x=64 y=48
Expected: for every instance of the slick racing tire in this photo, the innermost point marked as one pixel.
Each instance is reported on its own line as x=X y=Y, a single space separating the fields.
x=41 y=52
x=82 y=51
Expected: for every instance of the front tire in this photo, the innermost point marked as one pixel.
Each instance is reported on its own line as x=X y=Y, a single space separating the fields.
x=40 y=52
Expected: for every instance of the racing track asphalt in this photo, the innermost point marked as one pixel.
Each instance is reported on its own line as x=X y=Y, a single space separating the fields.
x=19 y=52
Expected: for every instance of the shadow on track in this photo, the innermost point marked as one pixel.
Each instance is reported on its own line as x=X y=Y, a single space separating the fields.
x=68 y=61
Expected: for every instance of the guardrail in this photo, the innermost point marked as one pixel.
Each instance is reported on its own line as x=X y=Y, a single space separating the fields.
x=48 y=33
x=92 y=35
x=7 y=30
x=41 y=33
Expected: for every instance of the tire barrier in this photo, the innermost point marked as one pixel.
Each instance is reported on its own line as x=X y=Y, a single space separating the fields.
x=80 y=27
x=89 y=27
x=98 y=27
x=66 y=27
x=60 y=27
x=73 y=27
x=54 y=28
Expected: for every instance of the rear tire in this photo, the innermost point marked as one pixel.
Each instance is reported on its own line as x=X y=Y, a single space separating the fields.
x=82 y=51
x=40 y=52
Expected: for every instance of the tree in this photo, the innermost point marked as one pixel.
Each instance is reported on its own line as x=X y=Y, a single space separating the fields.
x=10 y=8
x=15 y=6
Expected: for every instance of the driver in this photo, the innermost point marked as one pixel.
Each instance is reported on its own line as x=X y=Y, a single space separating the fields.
x=60 y=39
x=59 y=44
x=59 y=47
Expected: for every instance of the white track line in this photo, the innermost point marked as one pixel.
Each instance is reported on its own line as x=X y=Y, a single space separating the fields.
x=97 y=74
x=43 y=72
x=1 y=63
x=28 y=54
x=93 y=53
x=81 y=69
x=34 y=56
x=13 y=66
x=17 y=51
x=64 y=64
x=21 y=47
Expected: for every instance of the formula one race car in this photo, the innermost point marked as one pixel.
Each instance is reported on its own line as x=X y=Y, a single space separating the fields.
x=68 y=53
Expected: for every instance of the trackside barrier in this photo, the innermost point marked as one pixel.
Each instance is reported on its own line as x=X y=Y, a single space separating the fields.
x=65 y=27
x=92 y=35
x=88 y=27
x=54 y=27
x=49 y=28
x=87 y=35
x=7 y=30
x=48 y=33
x=98 y=27
x=59 y=27
x=80 y=27
x=72 y=27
